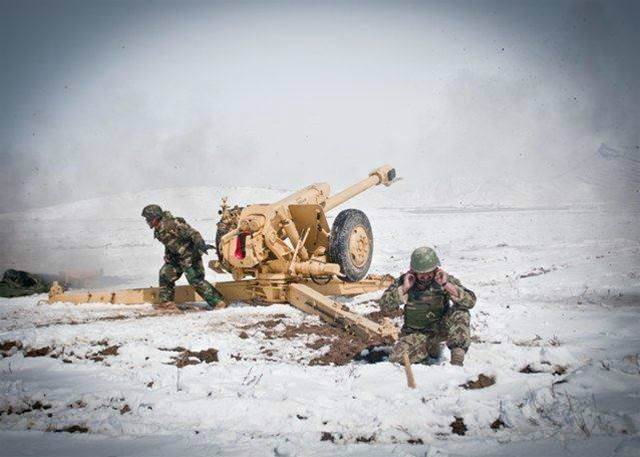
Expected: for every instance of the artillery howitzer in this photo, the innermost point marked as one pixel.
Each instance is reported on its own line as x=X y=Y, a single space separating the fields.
x=289 y=254
x=292 y=255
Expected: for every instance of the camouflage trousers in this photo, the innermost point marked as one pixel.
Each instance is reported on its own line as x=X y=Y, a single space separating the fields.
x=171 y=272
x=453 y=328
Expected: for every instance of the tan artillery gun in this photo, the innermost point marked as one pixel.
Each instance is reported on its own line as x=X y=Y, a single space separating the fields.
x=285 y=252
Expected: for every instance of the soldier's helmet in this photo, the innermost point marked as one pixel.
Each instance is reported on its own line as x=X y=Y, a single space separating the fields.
x=150 y=212
x=424 y=260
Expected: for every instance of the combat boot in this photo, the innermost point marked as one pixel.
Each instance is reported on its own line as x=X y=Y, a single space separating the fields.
x=166 y=306
x=457 y=356
x=435 y=350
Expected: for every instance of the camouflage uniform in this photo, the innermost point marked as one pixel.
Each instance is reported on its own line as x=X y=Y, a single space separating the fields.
x=16 y=283
x=431 y=316
x=182 y=255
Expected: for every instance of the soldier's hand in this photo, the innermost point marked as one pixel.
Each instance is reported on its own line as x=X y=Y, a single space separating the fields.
x=408 y=282
x=203 y=247
x=441 y=276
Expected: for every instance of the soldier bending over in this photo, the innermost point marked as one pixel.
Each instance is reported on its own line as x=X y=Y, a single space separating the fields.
x=436 y=309
x=183 y=249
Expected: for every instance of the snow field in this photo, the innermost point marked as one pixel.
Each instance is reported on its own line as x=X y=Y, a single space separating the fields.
x=556 y=325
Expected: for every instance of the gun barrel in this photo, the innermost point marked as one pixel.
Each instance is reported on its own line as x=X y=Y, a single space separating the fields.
x=382 y=175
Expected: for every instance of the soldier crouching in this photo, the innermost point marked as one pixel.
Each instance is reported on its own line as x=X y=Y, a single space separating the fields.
x=183 y=249
x=436 y=310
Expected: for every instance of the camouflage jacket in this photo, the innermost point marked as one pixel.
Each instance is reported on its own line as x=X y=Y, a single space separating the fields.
x=179 y=238
x=423 y=309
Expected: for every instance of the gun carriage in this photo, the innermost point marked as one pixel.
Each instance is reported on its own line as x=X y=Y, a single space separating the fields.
x=285 y=252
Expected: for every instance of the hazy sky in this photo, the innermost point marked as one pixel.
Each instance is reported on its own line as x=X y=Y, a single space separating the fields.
x=105 y=97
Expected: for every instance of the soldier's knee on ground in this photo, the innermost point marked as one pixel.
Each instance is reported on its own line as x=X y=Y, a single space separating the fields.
x=458 y=329
x=413 y=345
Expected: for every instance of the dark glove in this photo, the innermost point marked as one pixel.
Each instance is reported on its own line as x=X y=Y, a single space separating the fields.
x=204 y=247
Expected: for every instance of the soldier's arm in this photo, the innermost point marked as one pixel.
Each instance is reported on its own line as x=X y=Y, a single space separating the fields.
x=188 y=233
x=393 y=297
x=187 y=241
x=463 y=297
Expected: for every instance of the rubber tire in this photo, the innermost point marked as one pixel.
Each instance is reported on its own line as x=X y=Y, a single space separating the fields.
x=338 y=252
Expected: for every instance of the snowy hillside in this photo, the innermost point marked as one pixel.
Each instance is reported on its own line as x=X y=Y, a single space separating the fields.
x=556 y=335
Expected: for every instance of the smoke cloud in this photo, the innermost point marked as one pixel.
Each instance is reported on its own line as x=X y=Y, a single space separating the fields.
x=494 y=97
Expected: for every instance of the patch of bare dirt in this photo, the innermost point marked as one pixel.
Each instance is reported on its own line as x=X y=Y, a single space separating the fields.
x=36 y=406
x=294 y=331
x=243 y=335
x=107 y=352
x=497 y=424
x=77 y=404
x=111 y=350
x=187 y=357
x=72 y=429
x=8 y=345
x=458 y=427
x=482 y=382
x=208 y=355
x=39 y=352
x=379 y=316
x=343 y=346
x=317 y=344
x=270 y=323
x=344 y=349
x=329 y=436
x=125 y=409
x=175 y=349
x=557 y=370
x=366 y=439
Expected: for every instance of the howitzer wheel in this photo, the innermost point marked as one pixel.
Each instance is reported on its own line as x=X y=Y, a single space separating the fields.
x=351 y=244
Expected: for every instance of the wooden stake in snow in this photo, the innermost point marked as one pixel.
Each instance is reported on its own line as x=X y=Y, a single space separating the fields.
x=411 y=382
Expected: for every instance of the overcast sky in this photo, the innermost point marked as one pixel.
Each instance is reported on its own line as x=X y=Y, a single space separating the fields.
x=106 y=97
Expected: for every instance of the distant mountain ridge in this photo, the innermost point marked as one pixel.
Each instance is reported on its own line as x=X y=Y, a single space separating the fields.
x=611 y=177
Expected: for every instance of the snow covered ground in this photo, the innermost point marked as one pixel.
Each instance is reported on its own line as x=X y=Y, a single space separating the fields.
x=557 y=325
